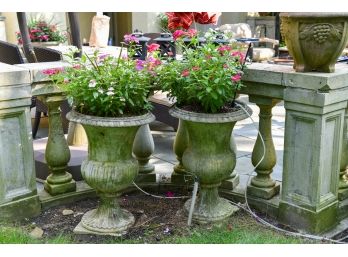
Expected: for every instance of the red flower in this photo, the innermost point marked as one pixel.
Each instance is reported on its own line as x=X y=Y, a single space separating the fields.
x=178 y=33
x=153 y=47
x=236 y=78
x=185 y=73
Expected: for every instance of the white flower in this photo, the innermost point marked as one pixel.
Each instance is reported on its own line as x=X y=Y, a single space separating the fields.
x=111 y=89
x=110 y=93
x=92 y=83
x=100 y=91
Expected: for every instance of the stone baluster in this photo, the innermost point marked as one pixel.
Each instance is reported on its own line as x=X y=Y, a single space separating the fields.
x=262 y=185
x=343 y=182
x=143 y=148
x=57 y=152
x=180 y=144
x=233 y=179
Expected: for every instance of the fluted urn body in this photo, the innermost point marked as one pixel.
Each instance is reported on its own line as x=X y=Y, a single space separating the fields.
x=315 y=40
x=209 y=156
x=109 y=168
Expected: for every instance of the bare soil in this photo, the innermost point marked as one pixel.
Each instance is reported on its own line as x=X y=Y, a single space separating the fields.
x=155 y=219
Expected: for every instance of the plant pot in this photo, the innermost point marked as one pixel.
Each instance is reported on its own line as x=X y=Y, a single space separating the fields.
x=315 y=40
x=109 y=169
x=209 y=156
x=45 y=44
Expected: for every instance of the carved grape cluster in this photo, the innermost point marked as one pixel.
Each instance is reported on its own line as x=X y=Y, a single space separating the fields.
x=321 y=32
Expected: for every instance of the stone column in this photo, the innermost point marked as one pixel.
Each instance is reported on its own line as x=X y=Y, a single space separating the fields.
x=143 y=148
x=57 y=152
x=343 y=181
x=179 y=176
x=312 y=153
x=262 y=185
x=18 y=193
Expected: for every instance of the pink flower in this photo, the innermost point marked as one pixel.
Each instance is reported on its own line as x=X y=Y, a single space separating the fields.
x=224 y=48
x=236 y=78
x=169 y=194
x=154 y=61
x=178 y=33
x=66 y=80
x=225 y=66
x=195 y=68
x=139 y=65
x=77 y=66
x=185 y=73
x=238 y=54
x=128 y=39
x=153 y=47
x=191 y=32
x=53 y=71
x=102 y=57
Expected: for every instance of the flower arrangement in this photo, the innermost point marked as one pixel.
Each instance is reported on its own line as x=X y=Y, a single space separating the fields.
x=207 y=78
x=102 y=85
x=42 y=31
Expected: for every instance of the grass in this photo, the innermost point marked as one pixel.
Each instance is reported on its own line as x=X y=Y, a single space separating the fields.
x=240 y=229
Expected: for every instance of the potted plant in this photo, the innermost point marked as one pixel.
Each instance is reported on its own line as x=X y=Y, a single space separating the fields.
x=42 y=32
x=110 y=99
x=204 y=84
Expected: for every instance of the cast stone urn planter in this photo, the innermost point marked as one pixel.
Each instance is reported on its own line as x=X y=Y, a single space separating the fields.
x=109 y=169
x=209 y=156
x=315 y=40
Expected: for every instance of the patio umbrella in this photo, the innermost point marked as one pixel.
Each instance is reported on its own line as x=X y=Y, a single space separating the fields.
x=27 y=47
x=75 y=31
x=185 y=19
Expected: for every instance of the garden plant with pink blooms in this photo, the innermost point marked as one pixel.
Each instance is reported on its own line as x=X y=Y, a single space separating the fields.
x=208 y=76
x=42 y=31
x=105 y=86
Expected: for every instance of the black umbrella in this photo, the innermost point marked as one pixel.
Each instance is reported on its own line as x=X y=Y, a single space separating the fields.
x=27 y=47
x=75 y=31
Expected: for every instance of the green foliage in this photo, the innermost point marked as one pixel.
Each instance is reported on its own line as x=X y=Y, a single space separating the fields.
x=208 y=76
x=106 y=86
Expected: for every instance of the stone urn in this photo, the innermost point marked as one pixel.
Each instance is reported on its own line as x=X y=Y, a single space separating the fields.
x=109 y=169
x=209 y=156
x=315 y=40
x=46 y=43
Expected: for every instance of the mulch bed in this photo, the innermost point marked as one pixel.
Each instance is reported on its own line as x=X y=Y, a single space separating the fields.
x=155 y=219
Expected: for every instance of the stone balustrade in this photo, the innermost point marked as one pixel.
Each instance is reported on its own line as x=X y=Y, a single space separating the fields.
x=313 y=193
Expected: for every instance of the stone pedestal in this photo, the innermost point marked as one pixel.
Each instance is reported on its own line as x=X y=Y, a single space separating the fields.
x=312 y=151
x=343 y=182
x=18 y=193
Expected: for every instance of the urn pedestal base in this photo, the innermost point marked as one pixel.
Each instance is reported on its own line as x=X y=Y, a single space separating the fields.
x=217 y=212
x=113 y=222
